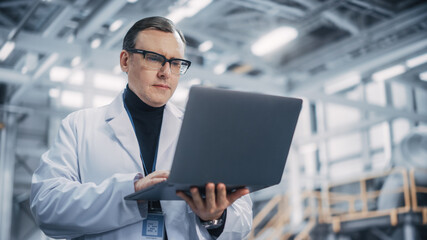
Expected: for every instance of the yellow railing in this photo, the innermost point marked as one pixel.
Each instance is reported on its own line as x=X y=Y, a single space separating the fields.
x=279 y=207
x=416 y=189
x=335 y=215
x=334 y=207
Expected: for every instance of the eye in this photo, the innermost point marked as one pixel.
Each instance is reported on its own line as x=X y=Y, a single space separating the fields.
x=176 y=64
x=153 y=58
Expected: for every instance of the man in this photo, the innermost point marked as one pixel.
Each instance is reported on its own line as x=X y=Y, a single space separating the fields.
x=104 y=154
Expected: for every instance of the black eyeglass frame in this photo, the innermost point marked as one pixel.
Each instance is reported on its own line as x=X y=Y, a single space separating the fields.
x=165 y=60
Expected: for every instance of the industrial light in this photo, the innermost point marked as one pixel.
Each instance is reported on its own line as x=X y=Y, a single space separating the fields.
x=423 y=76
x=132 y=1
x=59 y=74
x=274 y=40
x=72 y=99
x=343 y=82
x=24 y=70
x=190 y=9
x=54 y=92
x=388 y=73
x=205 y=46
x=6 y=49
x=31 y=61
x=220 y=69
x=77 y=78
x=95 y=43
x=108 y=82
x=71 y=38
x=413 y=62
x=116 y=25
x=76 y=61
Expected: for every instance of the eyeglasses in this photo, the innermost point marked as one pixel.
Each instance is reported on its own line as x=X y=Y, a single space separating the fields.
x=156 y=61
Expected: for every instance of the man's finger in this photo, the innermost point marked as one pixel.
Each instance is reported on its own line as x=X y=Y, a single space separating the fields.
x=187 y=199
x=221 y=192
x=159 y=173
x=147 y=182
x=197 y=199
x=210 y=196
x=155 y=181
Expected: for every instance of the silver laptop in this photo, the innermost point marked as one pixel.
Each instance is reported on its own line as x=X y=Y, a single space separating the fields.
x=240 y=139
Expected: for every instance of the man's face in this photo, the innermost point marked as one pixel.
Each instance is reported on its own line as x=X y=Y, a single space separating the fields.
x=154 y=87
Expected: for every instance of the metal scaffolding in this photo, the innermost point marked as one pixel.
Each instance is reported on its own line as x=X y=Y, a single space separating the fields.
x=9 y=118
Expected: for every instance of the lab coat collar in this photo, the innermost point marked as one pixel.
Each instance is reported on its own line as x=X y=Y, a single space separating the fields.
x=118 y=119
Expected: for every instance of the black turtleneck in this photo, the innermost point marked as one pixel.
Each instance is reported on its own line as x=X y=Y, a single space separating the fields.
x=147 y=121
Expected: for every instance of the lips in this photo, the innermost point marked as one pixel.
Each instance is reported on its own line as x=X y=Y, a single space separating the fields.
x=161 y=86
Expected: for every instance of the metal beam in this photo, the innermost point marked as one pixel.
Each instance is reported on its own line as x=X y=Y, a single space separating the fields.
x=366 y=63
x=13 y=77
x=7 y=166
x=272 y=8
x=6 y=21
x=340 y=50
x=410 y=77
x=58 y=23
x=30 y=12
x=236 y=81
x=342 y=21
x=16 y=97
x=371 y=6
x=239 y=54
x=14 y=3
x=387 y=111
x=332 y=15
x=324 y=136
x=49 y=45
x=99 y=17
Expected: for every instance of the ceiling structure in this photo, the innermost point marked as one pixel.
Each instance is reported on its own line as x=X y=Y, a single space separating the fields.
x=335 y=38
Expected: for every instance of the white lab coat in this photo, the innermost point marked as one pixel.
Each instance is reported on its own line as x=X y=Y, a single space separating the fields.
x=78 y=189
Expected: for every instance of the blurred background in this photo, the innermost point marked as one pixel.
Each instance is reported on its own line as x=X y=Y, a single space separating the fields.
x=357 y=168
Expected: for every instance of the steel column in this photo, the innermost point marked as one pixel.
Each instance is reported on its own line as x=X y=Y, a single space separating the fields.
x=7 y=169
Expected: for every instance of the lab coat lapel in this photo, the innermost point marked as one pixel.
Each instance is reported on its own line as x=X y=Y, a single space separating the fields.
x=171 y=124
x=118 y=119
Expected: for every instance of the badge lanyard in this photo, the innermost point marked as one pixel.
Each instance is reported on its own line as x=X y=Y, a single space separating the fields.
x=153 y=227
x=140 y=153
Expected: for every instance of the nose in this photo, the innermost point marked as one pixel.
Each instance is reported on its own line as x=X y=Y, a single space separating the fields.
x=165 y=71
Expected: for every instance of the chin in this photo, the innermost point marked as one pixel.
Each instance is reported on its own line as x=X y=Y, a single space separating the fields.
x=159 y=103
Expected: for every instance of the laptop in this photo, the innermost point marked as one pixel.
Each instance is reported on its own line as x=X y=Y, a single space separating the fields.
x=237 y=138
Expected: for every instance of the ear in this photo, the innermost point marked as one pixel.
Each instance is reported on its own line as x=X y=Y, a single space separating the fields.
x=124 y=61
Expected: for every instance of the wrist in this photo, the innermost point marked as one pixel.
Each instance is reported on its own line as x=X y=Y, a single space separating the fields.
x=212 y=224
x=215 y=223
x=211 y=218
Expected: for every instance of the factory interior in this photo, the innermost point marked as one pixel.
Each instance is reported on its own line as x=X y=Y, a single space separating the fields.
x=357 y=167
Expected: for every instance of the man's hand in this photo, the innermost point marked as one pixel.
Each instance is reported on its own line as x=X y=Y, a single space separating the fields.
x=151 y=179
x=215 y=203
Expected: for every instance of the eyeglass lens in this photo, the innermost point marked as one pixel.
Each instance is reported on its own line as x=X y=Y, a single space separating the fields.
x=156 y=61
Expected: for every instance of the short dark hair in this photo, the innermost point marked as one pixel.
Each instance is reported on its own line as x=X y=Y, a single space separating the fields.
x=158 y=23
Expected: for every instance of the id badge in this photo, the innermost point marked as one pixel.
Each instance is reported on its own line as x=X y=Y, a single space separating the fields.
x=153 y=227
